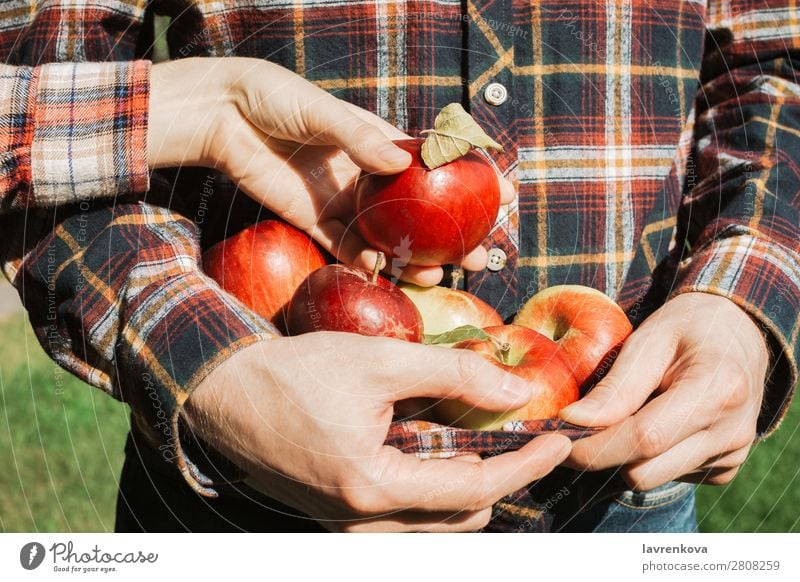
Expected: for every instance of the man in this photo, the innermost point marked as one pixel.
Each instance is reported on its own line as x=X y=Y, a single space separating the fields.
x=608 y=113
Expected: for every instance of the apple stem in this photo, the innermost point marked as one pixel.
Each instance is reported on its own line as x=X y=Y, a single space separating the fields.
x=377 y=268
x=502 y=347
x=456 y=276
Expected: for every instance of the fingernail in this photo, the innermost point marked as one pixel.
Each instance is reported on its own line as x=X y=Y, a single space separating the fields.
x=394 y=156
x=584 y=408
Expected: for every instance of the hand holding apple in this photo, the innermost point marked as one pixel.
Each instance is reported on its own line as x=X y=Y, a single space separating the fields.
x=316 y=409
x=285 y=142
x=429 y=217
x=705 y=361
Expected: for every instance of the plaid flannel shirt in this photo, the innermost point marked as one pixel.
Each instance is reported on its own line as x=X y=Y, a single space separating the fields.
x=653 y=142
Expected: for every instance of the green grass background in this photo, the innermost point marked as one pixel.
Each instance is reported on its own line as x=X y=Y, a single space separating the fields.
x=61 y=450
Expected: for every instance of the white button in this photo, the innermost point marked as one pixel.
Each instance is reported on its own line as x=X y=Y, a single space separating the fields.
x=497 y=259
x=495 y=94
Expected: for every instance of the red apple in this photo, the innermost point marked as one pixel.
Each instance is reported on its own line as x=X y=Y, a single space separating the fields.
x=343 y=298
x=429 y=217
x=529 y=355
x=444 y=309
x=263 y=265
x=588 y=326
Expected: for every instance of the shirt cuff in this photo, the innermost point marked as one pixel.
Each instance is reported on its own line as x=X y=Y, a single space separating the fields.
x=763 y=278
x=178 y=331
x=89 y=131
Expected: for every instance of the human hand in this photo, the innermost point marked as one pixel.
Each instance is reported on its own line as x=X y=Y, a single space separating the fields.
x=704 y=361
x=288 y=144
x=307 y=417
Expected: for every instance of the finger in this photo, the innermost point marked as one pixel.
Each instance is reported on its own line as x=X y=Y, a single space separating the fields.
x=422 y=276
x=430 y=276
x=476 y=260
x=726 y=461
x=698 y=453
x=412 y=370
x=637 y=372
x=711 y=477
x=719 y=471
x=387 y=128
x=507 y=190
x=448 y=485
x=680 y=412
x=364 y=142
x=344 y=244
x=414 y=521
x=681 y=459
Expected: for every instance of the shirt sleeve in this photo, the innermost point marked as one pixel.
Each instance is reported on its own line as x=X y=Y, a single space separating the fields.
x=740 y=224
x=71 y=132
x=116 y=296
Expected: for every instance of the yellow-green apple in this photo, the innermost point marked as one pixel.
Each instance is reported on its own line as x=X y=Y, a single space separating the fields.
x=527 y=354
x=263 y=265
x=444 y=309
x=588 y=326
x=344 y=298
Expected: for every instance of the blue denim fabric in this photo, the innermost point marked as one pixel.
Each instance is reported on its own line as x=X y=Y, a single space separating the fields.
x=669 y=508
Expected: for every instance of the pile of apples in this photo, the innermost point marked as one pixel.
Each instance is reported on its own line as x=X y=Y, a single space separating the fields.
x=561 y=340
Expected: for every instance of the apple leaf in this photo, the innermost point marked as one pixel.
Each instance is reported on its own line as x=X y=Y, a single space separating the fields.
x=454 y=134
x=459 y=334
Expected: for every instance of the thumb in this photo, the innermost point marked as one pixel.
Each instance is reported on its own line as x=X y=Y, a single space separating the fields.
x=461 y=375
x=363 y=141
x=635 y=375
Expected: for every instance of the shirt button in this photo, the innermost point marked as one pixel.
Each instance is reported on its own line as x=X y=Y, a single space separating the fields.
x=495 y=94
x=497 y=259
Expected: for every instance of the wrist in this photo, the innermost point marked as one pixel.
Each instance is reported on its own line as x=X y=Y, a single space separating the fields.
x=189 y=99
x=227 y=408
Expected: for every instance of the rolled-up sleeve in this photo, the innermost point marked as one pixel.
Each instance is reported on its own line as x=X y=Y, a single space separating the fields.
x=71 y=132
x=116 y=296
x=741 y=221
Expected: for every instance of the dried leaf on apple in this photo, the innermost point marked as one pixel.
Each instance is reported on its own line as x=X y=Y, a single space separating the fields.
x=454 y=134
x=459 y=334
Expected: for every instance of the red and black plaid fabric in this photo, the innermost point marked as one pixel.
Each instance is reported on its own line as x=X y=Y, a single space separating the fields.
x=653 y=143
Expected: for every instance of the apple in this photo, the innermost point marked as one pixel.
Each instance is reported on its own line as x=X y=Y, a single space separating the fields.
x=428 y=217
x=344 y=298
x=444 y=309
x=263 y=265
x=527 y=354
x=588 y=326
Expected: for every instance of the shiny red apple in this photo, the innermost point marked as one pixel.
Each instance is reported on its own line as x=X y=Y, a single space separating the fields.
x=263 y=265
x=588 y=326
x=343 y=298
x=429 y=217
x=527 y=354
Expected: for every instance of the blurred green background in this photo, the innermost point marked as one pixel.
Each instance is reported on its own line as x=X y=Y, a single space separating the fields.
x=61 y=449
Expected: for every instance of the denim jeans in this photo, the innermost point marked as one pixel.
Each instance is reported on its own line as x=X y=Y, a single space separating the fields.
x=154 y=498
x=669 y=508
